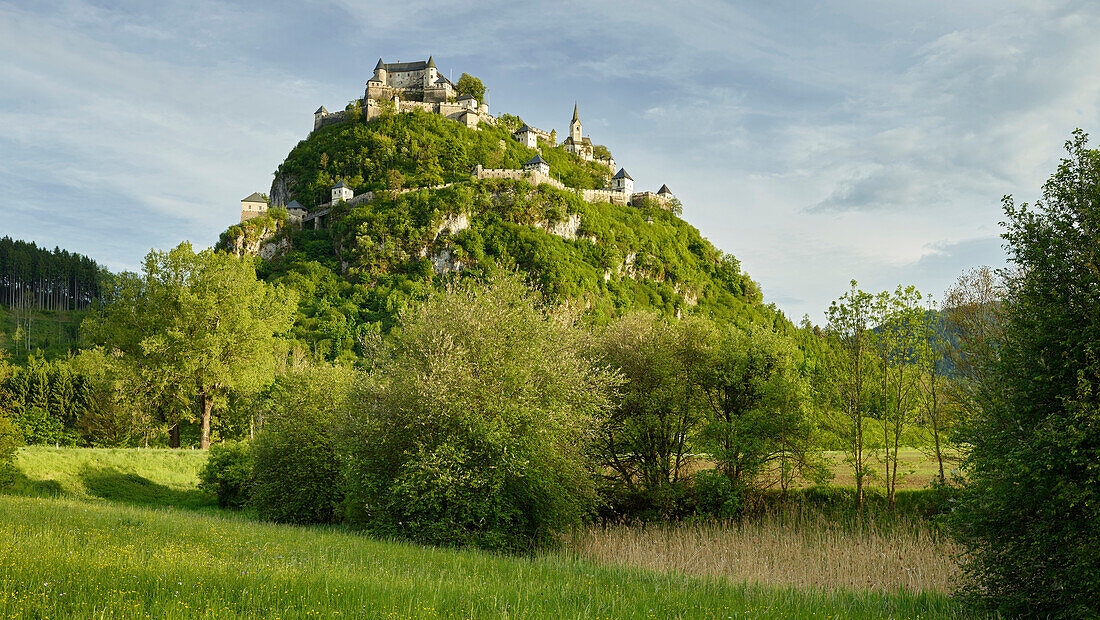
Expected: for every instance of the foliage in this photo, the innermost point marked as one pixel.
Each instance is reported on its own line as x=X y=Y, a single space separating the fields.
x=646 y=439
x=228 y=474
x=1029 y=515
x=298 y=478
x=478 y=428
x=849 y=325
x=194 y=326
x=10 y=435
x=470 y=85
x=45 y=400
x=758 y=423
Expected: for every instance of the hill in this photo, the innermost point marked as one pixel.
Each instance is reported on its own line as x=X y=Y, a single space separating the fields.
x=375 y=256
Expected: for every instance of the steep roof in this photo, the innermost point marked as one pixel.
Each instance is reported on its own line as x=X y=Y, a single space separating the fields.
x=664 y=190
x=255 y=197
x=431 y=63
x=339 y=185
x=576 y=117
x=380 y=65
x=418 y=65
x=536 y=160
x=522 y=129
x=321 y=110
x=463 y=97
x=294 y=204
x=621 y=174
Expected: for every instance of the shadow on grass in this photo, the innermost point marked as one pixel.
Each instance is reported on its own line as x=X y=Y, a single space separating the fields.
x=116 y=486
x=20 y=484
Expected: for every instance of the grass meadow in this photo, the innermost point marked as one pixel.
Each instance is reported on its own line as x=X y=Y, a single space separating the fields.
x=70 y=550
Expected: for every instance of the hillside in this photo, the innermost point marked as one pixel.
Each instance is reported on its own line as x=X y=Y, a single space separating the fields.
x=375 y=256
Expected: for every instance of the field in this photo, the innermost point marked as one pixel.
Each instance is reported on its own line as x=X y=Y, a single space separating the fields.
x=72 y=553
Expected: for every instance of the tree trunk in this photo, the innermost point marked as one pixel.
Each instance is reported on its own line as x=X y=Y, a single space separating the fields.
x=207 y=405
x=173 y=436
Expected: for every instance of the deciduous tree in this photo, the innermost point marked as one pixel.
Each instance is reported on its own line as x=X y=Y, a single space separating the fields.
x=1029 y=515
x=196 y=325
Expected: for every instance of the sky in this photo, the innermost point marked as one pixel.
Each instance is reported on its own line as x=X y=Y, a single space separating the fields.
x=816 y=141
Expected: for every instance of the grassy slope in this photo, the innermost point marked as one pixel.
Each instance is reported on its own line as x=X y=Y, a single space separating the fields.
x=70 y=558
x=149 y=476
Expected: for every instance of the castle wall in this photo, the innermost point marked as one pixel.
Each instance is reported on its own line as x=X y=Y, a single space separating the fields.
x=603 y=195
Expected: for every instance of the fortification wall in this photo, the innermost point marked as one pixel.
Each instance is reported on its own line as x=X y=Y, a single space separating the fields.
x=533 y=177
x=603 y=195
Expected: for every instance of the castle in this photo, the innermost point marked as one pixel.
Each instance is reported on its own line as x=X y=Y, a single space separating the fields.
x=407 y=86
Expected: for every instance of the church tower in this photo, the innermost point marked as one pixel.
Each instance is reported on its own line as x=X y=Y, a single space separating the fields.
x=575 y=126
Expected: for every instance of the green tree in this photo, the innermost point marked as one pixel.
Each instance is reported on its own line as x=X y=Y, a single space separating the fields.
x=849 y=324
x=898 y=338
x=1029 y=515
x=470 y=85
x=196 y=325
x=298 y=476
x=646 y=439
x=478 y=425
x=758 y=417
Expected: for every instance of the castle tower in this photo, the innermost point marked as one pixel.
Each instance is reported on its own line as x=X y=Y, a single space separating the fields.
x=622 y=182
x=341 y=193
x=317 y=116
x=380 y=72
x=575 y=126
x=431 y=74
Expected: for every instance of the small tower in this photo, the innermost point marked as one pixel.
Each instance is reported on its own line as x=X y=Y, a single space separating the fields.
x=537 y=164
x=431 y=73
x=527 y=137
x=380 y=73
x=318 y=116
x=341 y=193
x=622 y=182
x=575 y=126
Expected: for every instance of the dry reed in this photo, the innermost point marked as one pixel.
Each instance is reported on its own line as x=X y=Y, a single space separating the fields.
x=800 y=551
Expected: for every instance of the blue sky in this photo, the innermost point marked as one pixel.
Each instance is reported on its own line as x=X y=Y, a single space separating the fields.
x=816 y=141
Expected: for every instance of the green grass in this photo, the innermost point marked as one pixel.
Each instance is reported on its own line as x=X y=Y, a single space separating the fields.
x=155 y=477
x=74 y=558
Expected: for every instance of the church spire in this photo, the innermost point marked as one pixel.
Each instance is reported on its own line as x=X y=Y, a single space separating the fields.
x=576 y=117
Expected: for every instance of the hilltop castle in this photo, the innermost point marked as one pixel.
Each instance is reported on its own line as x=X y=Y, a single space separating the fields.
x=407 y=86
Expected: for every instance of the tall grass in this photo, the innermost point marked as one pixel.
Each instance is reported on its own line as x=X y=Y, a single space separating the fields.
x=62 y=558
x=804 y=549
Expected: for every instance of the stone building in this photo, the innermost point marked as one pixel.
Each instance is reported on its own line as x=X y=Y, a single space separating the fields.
x=538 y=164
x=253 y=206
x=622 y=182
x=341 y=192
x=417 y=81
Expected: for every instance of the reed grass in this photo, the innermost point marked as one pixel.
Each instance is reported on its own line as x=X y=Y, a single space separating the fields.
x=804 y=550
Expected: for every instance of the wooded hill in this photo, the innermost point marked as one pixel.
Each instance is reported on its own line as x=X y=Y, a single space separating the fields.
x=604 y=260
x=43 y=295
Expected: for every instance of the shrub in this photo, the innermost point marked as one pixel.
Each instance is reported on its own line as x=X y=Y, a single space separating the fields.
x=718 y=496
x=10 y=440
x=297 y=466
x=478 y=431
x=228 y=473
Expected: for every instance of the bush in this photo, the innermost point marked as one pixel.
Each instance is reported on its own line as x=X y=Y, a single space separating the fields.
x=10 y=440
x=297 y=465
x=478 y=431
x=718 y=496
x=228 y=474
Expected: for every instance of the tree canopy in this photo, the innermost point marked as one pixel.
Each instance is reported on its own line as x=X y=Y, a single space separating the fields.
x=1030 y=514
x=194 y=326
